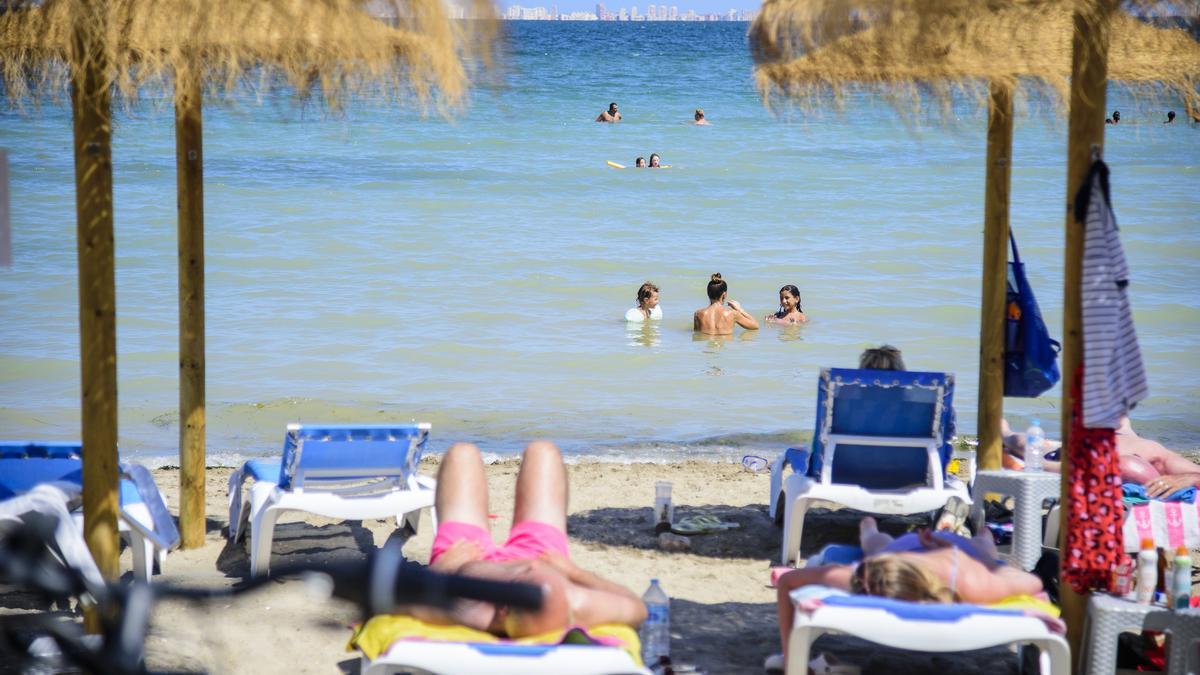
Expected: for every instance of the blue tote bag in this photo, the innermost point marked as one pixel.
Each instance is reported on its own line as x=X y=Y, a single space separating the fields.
x=1030 y=355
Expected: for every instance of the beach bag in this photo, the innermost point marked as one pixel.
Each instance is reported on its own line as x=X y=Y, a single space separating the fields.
x=1030 y=355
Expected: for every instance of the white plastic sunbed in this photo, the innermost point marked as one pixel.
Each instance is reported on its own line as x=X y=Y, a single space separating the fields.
x=462 y=658
x=53 y=471
x=921 y=627
x=881 y=445
x=338 y=471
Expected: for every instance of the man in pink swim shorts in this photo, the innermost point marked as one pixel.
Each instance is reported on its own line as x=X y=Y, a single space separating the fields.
x=535 y=551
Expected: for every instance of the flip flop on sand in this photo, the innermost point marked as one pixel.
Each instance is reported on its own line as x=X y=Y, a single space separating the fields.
x=702 y=525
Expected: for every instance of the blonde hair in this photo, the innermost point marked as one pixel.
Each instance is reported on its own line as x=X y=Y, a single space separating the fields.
x=890 y=576
x=883 y=357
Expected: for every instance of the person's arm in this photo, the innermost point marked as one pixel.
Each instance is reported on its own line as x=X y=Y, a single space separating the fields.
x=836 y=576
x=594 y=599
x=742 y=317
x=696 y=320
x=1165 y=486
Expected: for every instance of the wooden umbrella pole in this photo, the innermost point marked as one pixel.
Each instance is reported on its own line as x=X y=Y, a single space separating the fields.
x=995 y=273
x=91 y=115
x=189 y=163
x=1089 y=80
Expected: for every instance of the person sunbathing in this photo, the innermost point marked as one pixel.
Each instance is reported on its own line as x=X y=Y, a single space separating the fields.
x=1143 y=461
x=716 y=318
x=535 y=552
x=921 y=566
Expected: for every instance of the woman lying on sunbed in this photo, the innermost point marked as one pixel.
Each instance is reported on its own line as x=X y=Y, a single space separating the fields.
x=920 y=567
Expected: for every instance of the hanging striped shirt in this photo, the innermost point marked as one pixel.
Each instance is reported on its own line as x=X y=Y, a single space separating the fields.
x=1114 y=378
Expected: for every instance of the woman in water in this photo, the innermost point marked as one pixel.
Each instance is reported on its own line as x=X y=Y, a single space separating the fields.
x=716 y=318
x=647 y=304
x=789 y=307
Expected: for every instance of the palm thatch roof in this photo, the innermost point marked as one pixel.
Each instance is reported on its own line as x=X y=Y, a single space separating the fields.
x=401 y=48
x=912 y=51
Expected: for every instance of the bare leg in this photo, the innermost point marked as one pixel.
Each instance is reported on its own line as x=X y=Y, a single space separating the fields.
x=541 y=486
x=870 y=539
x=462 y=494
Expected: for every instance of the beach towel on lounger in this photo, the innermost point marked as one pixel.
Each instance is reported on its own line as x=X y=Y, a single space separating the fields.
x=379 y=633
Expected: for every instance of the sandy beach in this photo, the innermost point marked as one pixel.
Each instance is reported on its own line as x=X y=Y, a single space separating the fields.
x=722 y=610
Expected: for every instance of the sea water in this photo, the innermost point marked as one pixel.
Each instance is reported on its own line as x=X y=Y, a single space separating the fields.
x=383 y=265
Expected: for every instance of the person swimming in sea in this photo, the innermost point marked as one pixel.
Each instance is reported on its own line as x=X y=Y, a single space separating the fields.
x=789 y=307
x=610 y=115
x=647 y=304
x=1170 y=117
x=639 y=163
x=654 y=161
x=1115 y=119
x=699 y=118
x=717 y=318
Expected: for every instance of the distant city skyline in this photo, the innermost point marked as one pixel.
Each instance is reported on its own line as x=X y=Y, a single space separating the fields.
x=626 y=10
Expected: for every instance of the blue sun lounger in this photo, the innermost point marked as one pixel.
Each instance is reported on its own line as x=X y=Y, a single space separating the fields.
x=881 y=444
x=347 y=471
x=26 y=466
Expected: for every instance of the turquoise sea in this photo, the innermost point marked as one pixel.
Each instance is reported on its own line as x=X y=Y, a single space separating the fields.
x=473 y=273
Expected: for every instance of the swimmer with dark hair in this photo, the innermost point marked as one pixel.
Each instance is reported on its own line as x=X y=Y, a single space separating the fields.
x=647 y=304
x=789 y=307
x=699 y=117
x=721 y=314
x=611 y=115
x=639 y=163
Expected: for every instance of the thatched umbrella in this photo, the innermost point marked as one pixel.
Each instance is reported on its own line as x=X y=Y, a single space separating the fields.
x=326 y=48
x=937 y=50
x=945 y=48
x=916 y=49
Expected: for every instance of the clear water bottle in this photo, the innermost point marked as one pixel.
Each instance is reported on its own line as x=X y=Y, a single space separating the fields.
x=1035 y=440
x=656 y=631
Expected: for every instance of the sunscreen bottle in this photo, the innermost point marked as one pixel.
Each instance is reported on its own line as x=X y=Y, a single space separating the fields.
x=1147 y=572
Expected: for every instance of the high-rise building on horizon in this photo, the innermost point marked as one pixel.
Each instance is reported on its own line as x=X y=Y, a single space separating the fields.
x=633 y=15
x=651 y=13
x=674 y=13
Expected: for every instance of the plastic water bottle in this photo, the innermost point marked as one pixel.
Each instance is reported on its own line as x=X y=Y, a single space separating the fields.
x=656 y=631
x=1147 y=572
x=1181 y=579
x=1035 y=438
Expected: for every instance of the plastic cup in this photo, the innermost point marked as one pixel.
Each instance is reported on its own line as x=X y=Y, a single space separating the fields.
x=664 y=510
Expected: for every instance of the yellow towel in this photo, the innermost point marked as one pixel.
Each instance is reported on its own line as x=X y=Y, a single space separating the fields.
x=379 y=632
x=1028 y=602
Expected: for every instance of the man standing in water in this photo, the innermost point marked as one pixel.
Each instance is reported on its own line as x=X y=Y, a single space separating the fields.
x=610 y=115
x=717 y=319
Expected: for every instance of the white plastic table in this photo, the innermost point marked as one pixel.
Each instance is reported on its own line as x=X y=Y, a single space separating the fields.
x=1109 y=616
x=1028 y=489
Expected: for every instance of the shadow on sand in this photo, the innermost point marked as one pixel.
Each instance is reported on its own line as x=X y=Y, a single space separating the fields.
x=297 y=544
x=755 y=537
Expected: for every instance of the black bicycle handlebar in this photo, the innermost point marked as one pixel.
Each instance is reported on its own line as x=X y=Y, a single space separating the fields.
x=381 y=584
